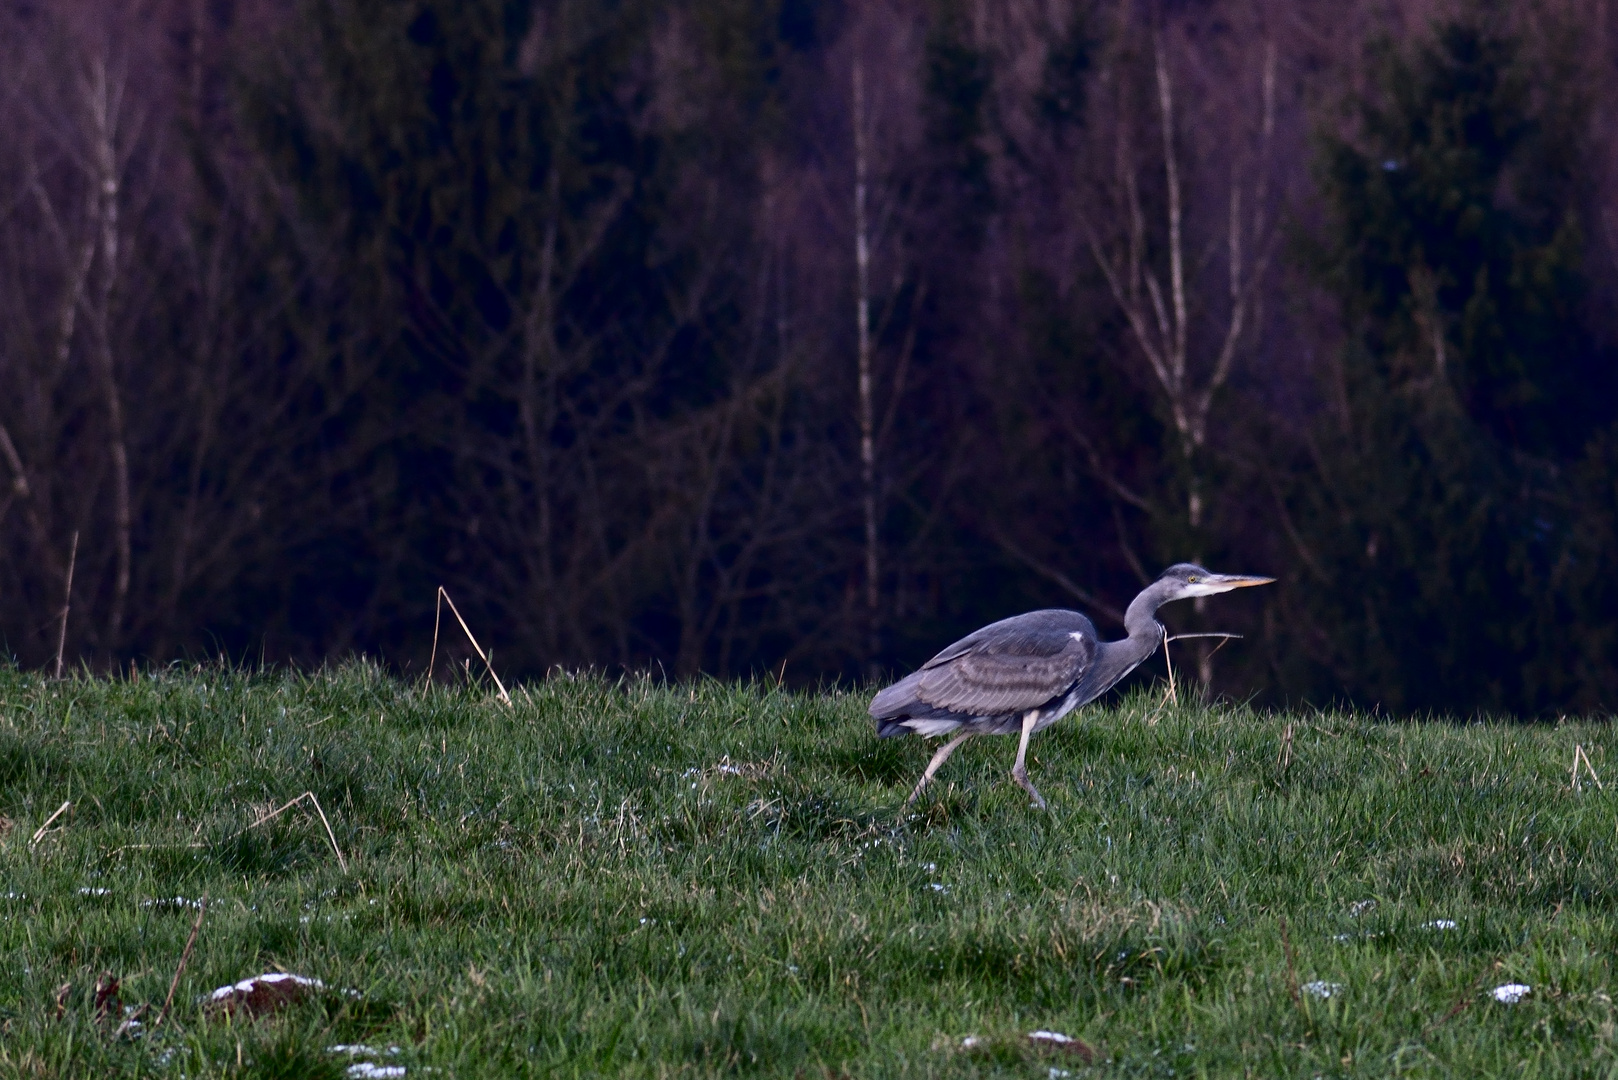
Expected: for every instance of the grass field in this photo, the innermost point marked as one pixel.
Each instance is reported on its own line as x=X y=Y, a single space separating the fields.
x=632 y=879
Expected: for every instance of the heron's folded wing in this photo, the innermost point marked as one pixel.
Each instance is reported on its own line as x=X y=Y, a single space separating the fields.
x=1008 y=672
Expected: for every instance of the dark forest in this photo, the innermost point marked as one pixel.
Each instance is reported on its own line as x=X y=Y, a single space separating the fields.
x=793 y=339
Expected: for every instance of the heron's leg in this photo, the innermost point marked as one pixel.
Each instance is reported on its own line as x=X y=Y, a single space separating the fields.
x=1019 y=771
x=938 y=759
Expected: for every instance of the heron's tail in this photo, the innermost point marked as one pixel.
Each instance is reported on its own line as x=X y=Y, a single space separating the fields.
x=895 y=704
x=897 y=710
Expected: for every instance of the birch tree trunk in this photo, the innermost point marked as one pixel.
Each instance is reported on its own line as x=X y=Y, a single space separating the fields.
x=862 y=322
x=104 y=98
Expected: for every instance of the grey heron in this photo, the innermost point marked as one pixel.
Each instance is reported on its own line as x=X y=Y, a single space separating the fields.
x=1024 y=673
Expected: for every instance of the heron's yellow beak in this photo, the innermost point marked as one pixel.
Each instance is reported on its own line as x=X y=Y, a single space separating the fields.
x=1239 y=581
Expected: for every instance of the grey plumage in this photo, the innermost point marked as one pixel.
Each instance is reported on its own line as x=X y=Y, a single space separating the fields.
x=1026 y=672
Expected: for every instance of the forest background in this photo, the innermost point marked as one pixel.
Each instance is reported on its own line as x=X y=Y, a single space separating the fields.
x=746 y=336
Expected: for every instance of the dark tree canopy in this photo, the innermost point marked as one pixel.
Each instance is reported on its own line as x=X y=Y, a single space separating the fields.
x=308 y=309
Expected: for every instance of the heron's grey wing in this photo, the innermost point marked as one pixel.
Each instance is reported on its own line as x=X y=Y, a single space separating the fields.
x=1020 y=663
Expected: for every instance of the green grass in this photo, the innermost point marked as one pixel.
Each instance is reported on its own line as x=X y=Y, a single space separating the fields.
x=577 y=887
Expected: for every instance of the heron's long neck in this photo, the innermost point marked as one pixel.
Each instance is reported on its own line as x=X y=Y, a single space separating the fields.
x=1145 y=633
x=1119 y=658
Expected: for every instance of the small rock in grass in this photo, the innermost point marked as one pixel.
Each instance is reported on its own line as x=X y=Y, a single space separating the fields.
x=1511 y=993
x=264 y=993
x=1062 y=1042
x=1322 y=989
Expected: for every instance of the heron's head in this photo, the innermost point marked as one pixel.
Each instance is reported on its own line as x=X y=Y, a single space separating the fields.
x=1184 y=580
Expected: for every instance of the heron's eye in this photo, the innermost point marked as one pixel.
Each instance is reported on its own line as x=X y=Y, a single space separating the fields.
x=1193 y=579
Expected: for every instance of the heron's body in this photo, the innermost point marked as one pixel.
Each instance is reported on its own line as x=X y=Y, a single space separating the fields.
x=1022 y=674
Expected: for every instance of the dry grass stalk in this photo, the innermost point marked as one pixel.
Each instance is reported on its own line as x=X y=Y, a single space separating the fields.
x=1172 y=696
x=40 y=834
x=1284 y=759
x=185 y=954
x=149 y=847
x=342 y=862
x=444 y=598
x=1580 y=756
x=67 y=602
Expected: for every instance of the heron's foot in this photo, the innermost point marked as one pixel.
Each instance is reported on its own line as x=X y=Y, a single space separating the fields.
x=916 y=791
x=1021 y=776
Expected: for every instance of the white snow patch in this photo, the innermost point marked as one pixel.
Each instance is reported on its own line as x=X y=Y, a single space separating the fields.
x=971 y=1042
x=368 y=1070
x=1361 y=907
x=1322 y=989
x=1511 y=993
x=90 y=890
x=1439 y=924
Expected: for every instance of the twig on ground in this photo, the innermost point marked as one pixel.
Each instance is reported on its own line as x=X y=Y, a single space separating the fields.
x=1461 y=1003
x=444 y=598
x=185 y=954
x=40 y=834
x=1292 y=966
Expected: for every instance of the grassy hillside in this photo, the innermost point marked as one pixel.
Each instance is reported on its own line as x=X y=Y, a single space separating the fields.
x=639 y=880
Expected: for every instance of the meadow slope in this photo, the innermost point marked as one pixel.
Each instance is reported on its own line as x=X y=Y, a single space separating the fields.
x=635 y=879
